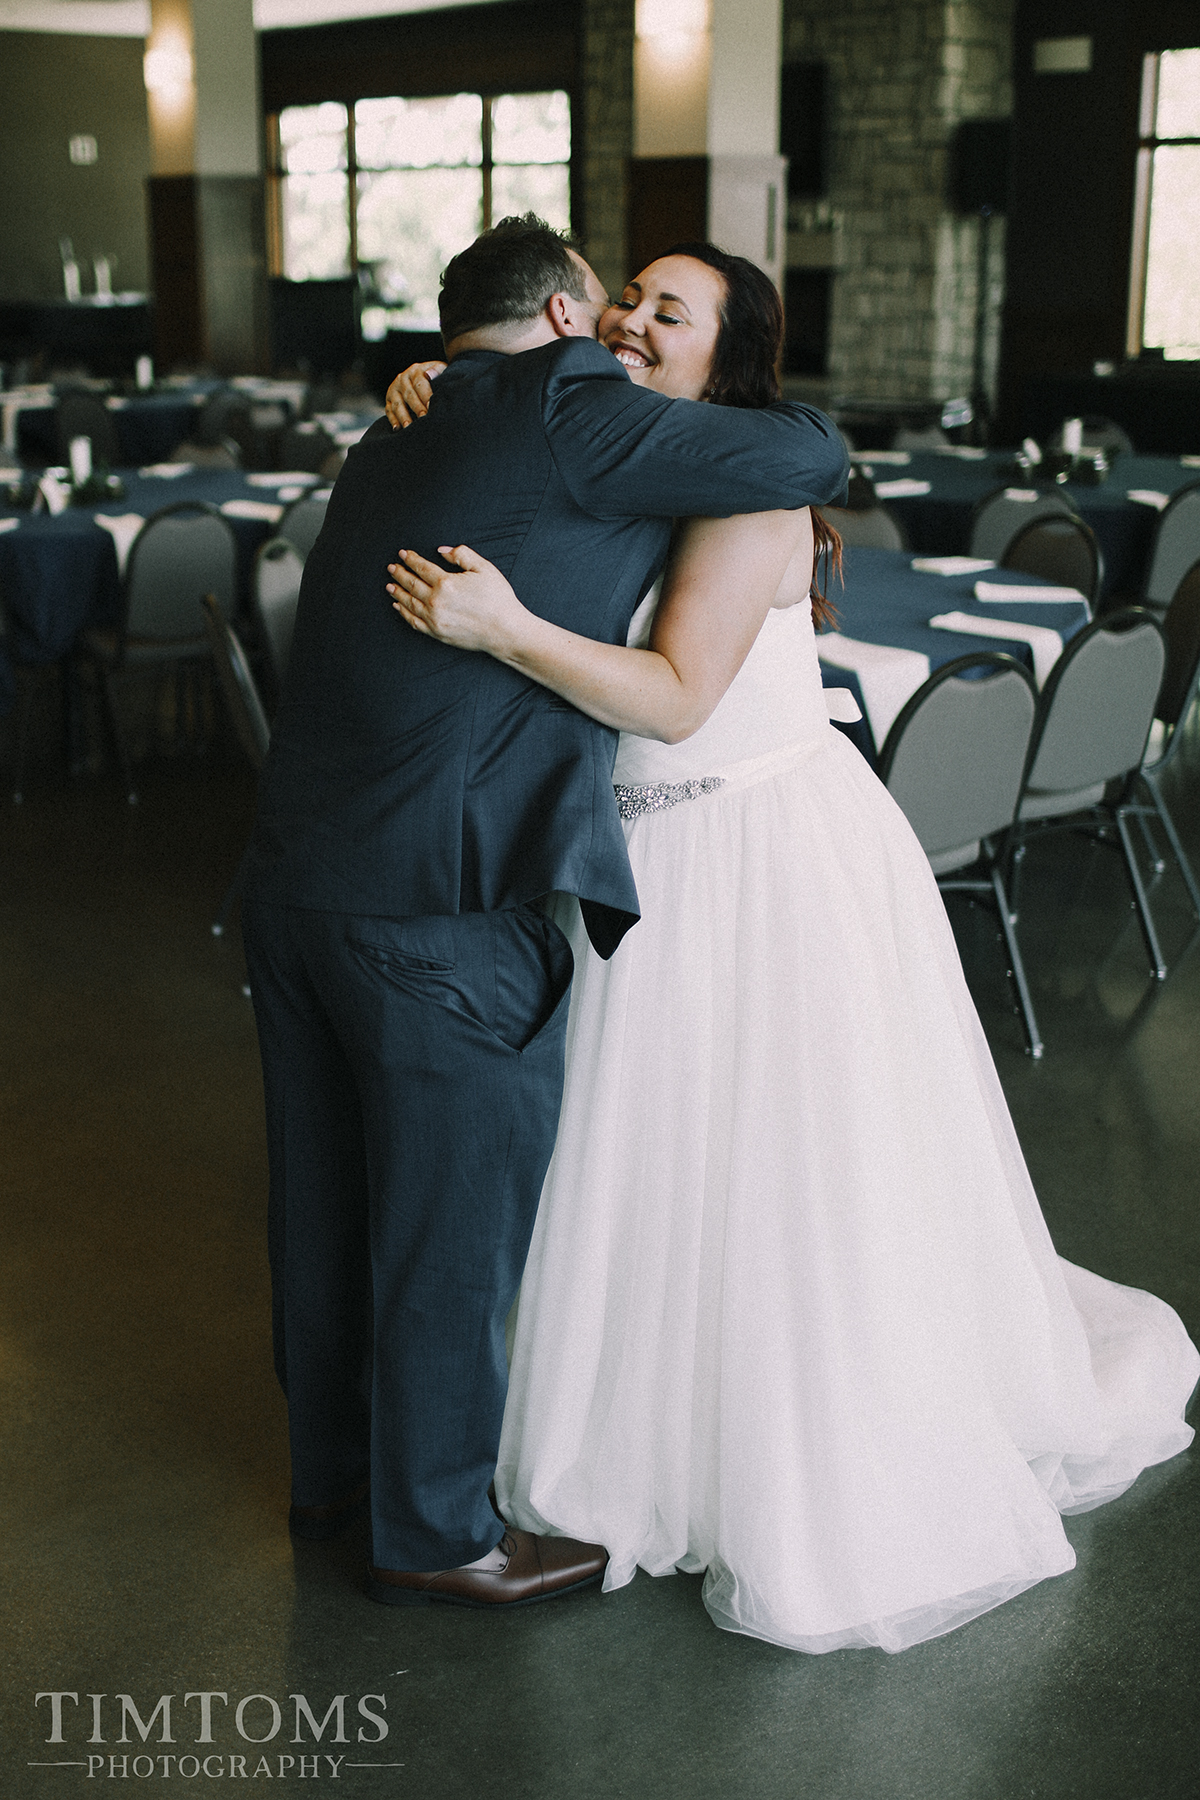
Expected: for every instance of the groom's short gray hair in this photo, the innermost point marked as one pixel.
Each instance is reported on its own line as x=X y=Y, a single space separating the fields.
x=506 y=276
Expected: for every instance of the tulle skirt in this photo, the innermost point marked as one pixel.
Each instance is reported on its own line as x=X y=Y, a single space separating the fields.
x=792 y=1315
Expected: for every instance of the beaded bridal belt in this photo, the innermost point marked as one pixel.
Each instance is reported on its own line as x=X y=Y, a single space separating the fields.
x=632 y=802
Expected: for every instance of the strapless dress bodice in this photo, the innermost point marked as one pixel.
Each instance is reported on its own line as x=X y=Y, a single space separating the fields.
x=775 y=700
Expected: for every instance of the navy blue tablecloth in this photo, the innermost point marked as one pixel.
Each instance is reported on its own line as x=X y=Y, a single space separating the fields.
x=149 y=427
x=886 y=601
x=939 y=523
x=58 y=575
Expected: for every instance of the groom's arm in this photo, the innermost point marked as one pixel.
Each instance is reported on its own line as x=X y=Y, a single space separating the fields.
x=625 y=452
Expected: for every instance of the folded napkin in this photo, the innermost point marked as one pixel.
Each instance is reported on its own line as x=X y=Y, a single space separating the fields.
x=841 y=705
x=55 y=490
x=996 y=593
x=888 y=677
x=951 y=565
x=897 y=490
x=9 y=524
x=1148 y=497
x=122 y=528
x=167 y=471
x=252 y=509
x=1045 y=644
x=289 y=478
x=1020 y=493
x=901 y=458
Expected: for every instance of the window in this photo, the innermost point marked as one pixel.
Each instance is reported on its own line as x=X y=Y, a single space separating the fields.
x=395 y=187
x=1164 y=297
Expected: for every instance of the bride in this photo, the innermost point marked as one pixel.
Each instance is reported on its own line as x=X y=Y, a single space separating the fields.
x=791 y=1315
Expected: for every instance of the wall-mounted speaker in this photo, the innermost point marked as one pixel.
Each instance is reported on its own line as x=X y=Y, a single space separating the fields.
x=979 y=166
x=803 y=91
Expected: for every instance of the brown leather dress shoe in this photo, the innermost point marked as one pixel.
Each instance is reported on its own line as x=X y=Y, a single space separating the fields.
x=320 y=1522
x=538 y=1568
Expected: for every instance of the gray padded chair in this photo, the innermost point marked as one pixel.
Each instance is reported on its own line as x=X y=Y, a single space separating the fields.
x=1176 y=547
x=84 y=415
x=181 y=553
x=1099 y=433
x=864 y=520
x=1059 y=550
x=278 y=570
x=874 y=527
x=245 y=707
x=953 y=761
x=301 y=523
x=1089 y=739
x=998 y=519
x=1181 y=628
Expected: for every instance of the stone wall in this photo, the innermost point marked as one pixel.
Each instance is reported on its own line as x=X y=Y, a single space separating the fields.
x=606 y=33
x=902 y=74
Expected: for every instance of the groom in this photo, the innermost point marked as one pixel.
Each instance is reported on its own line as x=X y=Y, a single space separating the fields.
x=417 y=804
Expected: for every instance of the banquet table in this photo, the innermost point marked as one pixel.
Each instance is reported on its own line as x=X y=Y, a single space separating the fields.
x=60 y=574
x=150 y=425
x=888 y=604
x=938 y=520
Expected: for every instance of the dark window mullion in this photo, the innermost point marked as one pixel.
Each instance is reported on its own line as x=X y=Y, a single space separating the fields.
x=352 y=186
x=486 y=164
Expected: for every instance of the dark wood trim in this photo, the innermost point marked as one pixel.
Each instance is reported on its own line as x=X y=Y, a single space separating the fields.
x=668 y=204
x=523 y=46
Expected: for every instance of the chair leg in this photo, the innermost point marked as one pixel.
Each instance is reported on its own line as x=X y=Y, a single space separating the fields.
x=1016 y=865
x=1007 y=922
x=116 y=736
x=232 y=895
x=1158 y=967
x=1168 y=825
x=1157 y=862
x=24 y=712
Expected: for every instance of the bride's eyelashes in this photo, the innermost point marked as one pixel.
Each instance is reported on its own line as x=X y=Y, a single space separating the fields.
x=661 y=317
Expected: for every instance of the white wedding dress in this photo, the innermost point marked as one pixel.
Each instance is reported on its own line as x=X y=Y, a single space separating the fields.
x=792 y=1315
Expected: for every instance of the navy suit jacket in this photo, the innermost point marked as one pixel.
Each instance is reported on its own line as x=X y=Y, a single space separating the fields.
x=407 y=777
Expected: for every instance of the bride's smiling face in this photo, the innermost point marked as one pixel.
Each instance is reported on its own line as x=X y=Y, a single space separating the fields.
x=663 y=330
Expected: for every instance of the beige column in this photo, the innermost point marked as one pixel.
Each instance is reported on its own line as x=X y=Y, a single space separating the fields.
x=706 y=110
x=208 y=245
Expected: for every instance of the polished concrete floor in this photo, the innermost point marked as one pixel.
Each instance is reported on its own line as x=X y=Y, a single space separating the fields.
x=144 y=1475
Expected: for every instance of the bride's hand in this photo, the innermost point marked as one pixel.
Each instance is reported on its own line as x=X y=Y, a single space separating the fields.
x=473 y=610
x=409 y=395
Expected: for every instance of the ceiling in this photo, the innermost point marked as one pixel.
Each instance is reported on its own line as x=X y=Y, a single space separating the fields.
x=131 y=18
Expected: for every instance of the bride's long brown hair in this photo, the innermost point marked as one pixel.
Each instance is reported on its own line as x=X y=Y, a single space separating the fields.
x=749 y=340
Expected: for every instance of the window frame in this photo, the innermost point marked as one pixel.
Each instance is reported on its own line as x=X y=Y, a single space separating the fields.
x=1143 y=182
x=276 y=174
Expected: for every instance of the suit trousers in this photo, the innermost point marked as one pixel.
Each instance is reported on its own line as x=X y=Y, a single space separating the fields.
x=413 y=1072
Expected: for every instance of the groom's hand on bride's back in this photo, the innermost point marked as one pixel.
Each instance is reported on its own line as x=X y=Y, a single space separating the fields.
x=410 y=393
